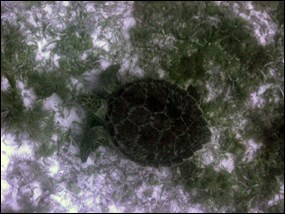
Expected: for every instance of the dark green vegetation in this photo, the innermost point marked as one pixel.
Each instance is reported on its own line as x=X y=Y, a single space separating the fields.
x=17 y=64
x=44 y=78
x=198 y=43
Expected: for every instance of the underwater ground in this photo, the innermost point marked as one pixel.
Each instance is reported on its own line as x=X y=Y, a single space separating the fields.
x=231 y=52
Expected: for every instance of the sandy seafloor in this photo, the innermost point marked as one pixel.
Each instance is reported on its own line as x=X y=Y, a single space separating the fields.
x=107 y=182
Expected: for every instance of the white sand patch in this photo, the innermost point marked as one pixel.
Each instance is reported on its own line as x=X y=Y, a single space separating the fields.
x=13 y=199
x=131 y=64
x=128 y=23
x=65 y=3
x=52 y=102
x=42 y=53
x=10 y=148
x=37 y=190
x=276 y=199
x=5 y=188
x=90 y=7
x=208 y=158
x=55 y=59
x=65 y=199
x=63 y=117
x=104 y=64
x=31 y=19
x=48 y=9
x=264 y=27
x=256 y=97
x=252 y=148
x=75 y=84
x=114 y=209
x=226 y=163
x=67 y=117
x=27 y=95
x=196 y=209
x=4 y=83
x=104 y=44
x=53 y=167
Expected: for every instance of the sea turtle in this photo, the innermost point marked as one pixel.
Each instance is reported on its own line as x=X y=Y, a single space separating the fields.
x=151 y=121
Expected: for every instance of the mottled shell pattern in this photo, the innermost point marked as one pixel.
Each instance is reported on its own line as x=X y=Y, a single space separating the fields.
x=154 y=122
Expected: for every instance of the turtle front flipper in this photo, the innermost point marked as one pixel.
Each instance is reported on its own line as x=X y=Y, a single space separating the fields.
x=94 y=135
x=93 y=138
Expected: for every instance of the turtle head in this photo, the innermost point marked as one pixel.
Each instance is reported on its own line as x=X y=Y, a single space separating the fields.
x=108 y=81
